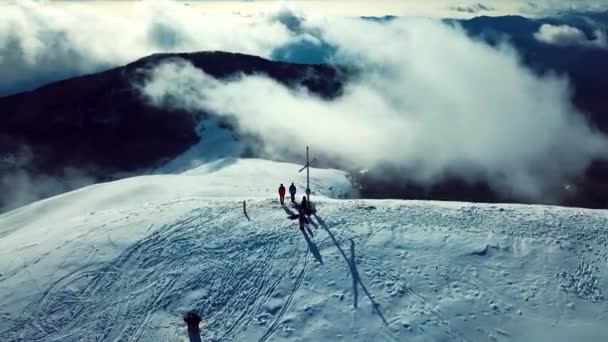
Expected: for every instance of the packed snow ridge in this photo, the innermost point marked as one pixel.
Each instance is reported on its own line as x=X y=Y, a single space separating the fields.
x=124 y=261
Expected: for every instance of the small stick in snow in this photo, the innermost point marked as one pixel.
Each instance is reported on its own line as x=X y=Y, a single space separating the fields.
x=245 y=211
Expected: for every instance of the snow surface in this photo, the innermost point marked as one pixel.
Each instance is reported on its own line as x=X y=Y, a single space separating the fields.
x=216 y=142
x=123 y=261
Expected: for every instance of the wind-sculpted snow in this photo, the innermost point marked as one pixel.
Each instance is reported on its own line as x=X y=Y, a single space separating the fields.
x=363 y=270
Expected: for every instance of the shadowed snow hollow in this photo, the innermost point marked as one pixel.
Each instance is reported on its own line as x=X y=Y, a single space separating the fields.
x=125 y=260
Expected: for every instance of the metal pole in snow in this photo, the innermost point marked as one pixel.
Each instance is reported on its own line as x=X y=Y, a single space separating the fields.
x=307 y=176
x=307 y=167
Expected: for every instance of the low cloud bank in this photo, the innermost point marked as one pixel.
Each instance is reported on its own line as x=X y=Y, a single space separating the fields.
x=40 y=43
x=564 y=35
x=473 y=8
x=430 y=99
x=20 y=185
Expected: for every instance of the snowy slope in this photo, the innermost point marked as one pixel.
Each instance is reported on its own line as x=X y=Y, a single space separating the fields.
x=216 y=142
x=123 y=261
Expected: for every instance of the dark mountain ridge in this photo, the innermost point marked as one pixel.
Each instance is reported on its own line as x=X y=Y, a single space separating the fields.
x=100 y=125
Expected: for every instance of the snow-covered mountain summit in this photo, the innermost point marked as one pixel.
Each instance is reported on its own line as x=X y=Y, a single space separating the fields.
x=123 y=261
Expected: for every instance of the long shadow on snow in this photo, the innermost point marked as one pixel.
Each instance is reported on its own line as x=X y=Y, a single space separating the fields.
x=291 y=213
x=355 y=273
x=312 y=247
x=353 y=270
x=288 y=211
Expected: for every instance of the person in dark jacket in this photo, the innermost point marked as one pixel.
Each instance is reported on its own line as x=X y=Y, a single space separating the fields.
x=307 y=206
x=292 y=192
x=282 y=194
x=304 y=203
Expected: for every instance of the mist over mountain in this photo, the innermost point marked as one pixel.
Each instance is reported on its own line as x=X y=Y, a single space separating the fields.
x=99 y=127
x=487 y=109
x=577 y=51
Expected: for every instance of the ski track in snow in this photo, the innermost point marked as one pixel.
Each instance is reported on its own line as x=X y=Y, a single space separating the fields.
x=374 y=270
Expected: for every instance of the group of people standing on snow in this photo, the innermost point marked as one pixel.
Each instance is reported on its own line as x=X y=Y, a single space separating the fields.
x=305 y=209
x=292 y=192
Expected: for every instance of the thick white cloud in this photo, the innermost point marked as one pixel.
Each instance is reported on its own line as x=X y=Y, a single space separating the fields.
x=429 y=98
x=40 y=42
x=564 y=35
x=43 y=41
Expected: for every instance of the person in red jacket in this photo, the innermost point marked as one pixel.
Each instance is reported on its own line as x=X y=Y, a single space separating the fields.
x=282 y=194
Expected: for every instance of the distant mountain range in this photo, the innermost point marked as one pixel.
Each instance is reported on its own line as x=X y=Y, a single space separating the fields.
x=98 y=126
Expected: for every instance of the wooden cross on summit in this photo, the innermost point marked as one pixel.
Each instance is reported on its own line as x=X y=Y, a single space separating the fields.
x=307 y=167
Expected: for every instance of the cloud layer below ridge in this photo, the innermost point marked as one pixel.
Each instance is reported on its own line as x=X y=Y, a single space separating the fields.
x=429 y=99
